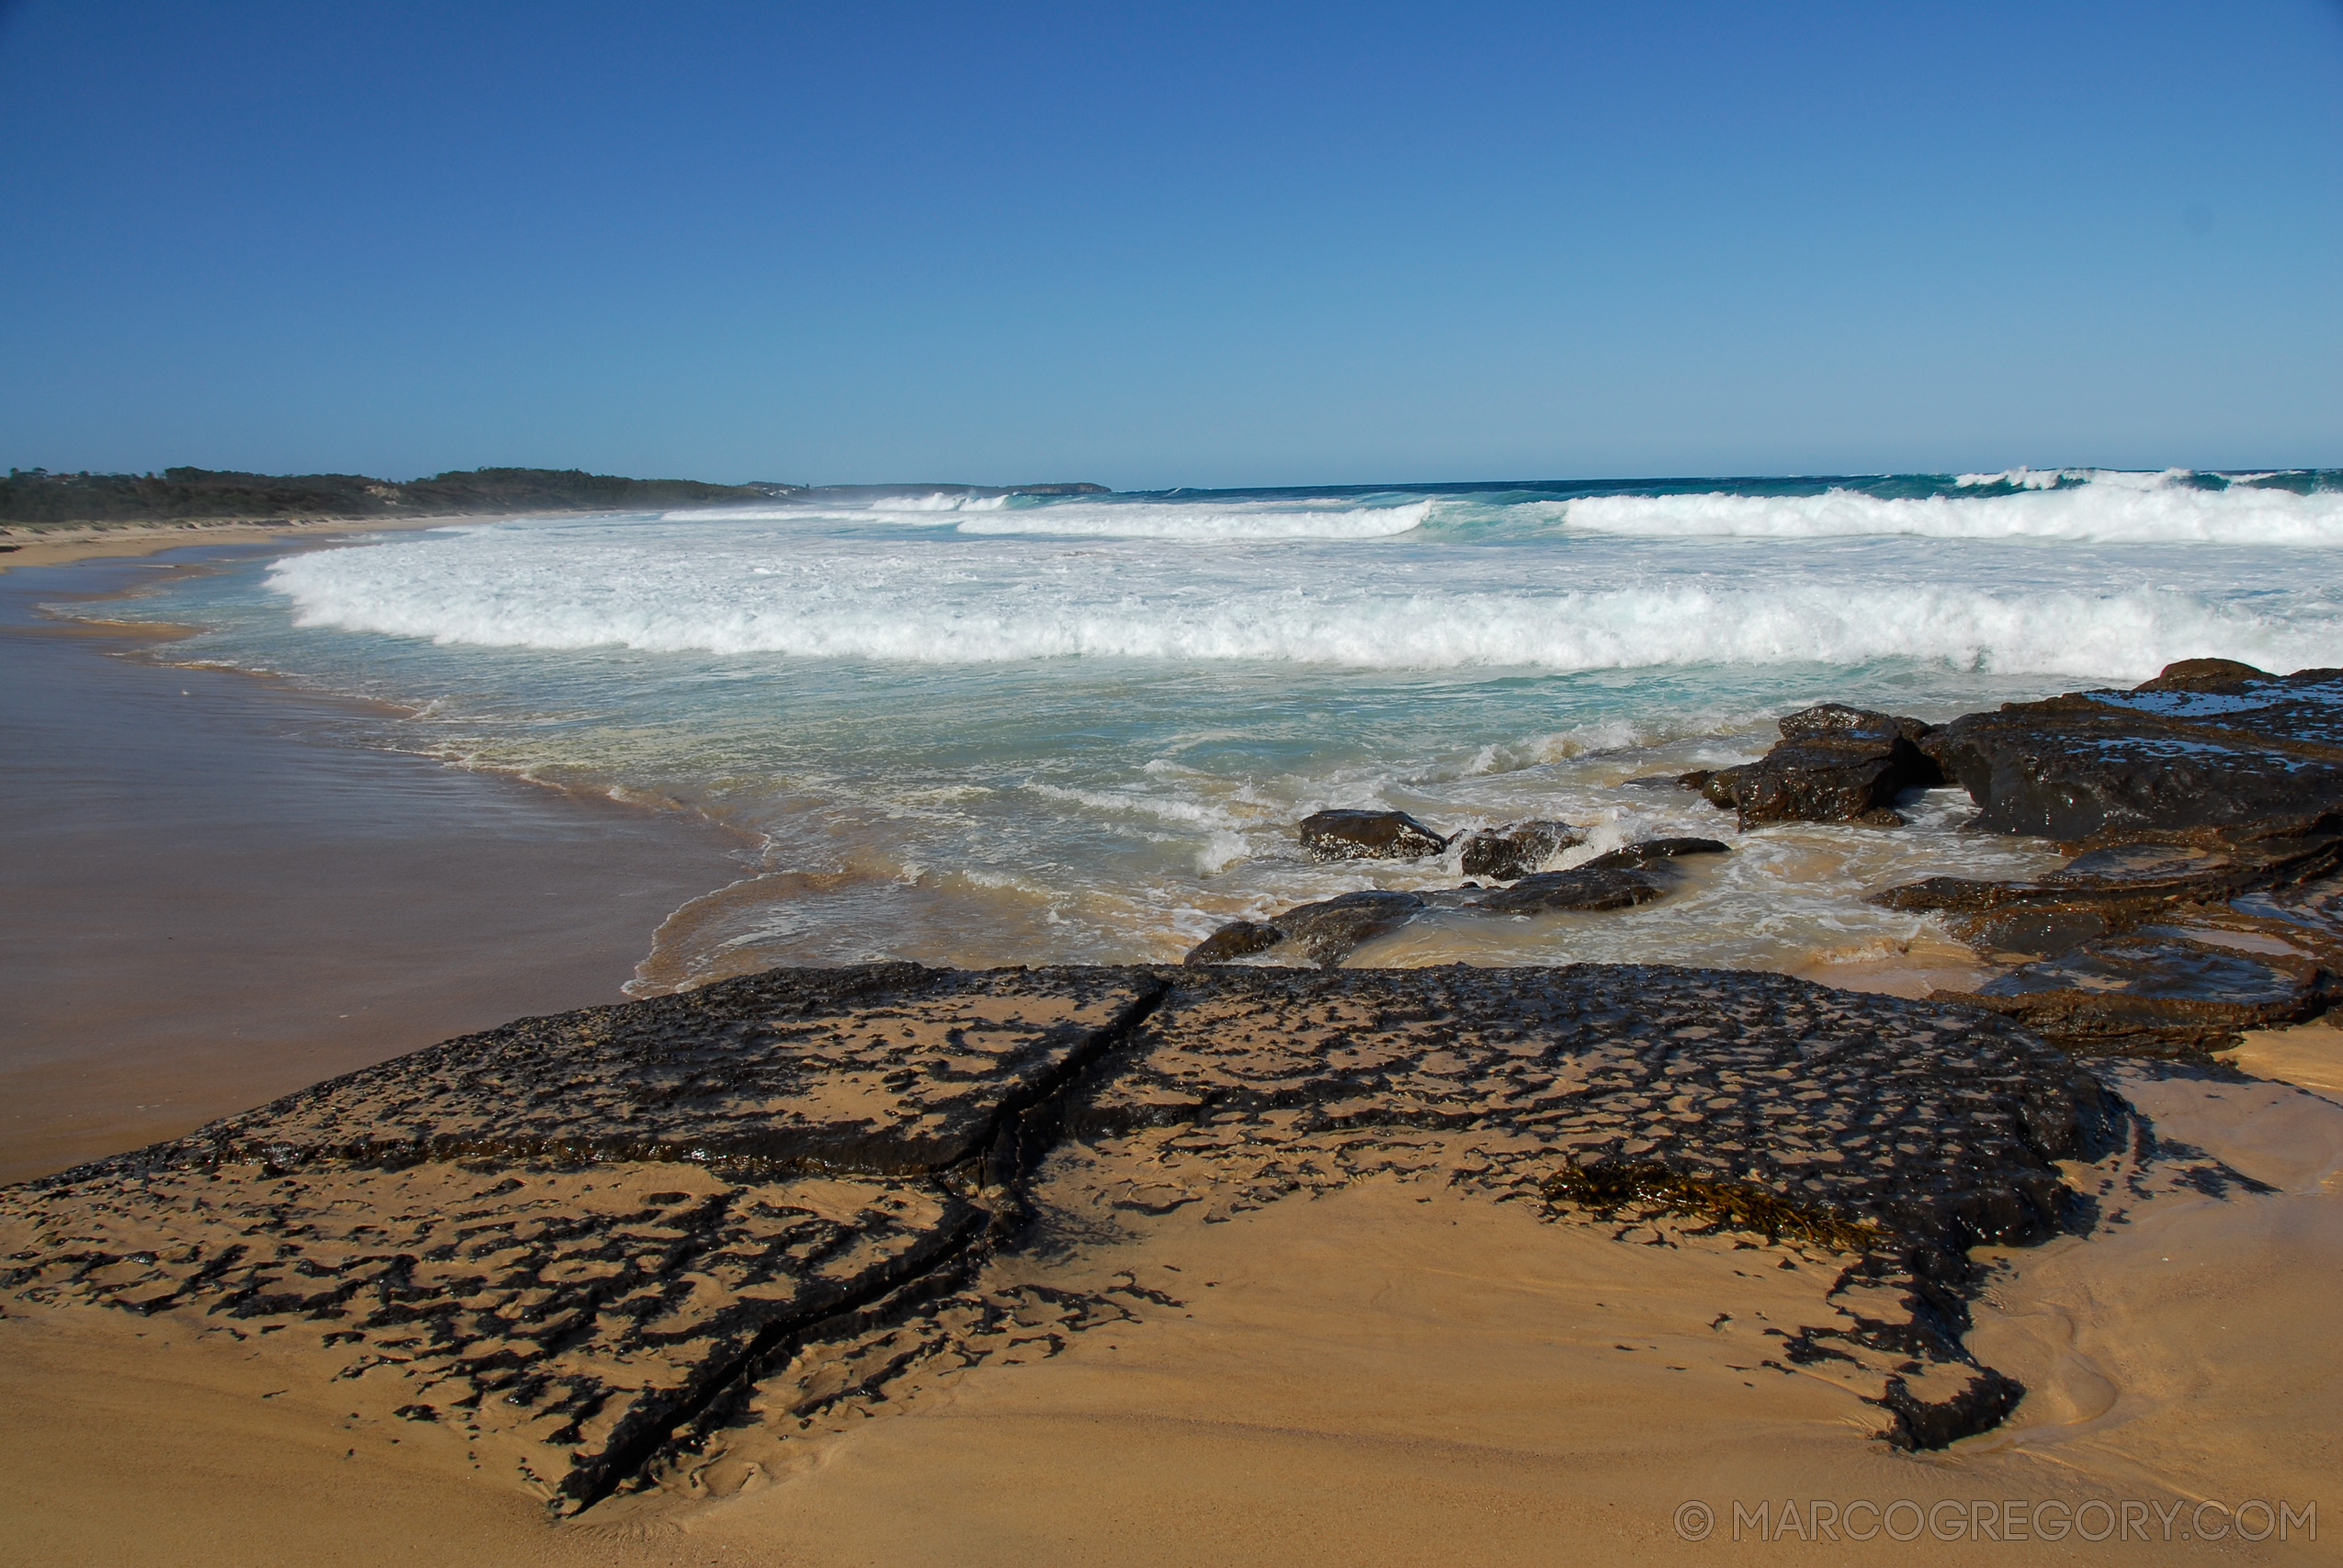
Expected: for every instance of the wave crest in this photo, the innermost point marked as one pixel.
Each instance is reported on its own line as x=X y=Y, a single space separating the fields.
x=904 y=612
x=2137 y=509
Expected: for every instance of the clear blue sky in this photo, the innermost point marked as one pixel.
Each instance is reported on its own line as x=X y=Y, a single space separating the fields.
x=1174 y=243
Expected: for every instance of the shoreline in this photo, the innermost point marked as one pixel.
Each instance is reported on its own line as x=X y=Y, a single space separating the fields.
x=217 y=893
x=28 y=545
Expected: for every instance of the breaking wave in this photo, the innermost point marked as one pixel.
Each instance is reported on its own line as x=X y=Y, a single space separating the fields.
x=965 y=606
x=2301 y=508
x=2065 y=506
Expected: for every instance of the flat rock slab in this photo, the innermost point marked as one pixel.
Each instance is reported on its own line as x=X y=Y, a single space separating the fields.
x=2208 y=800
x=587 y=1238
x=562 y=1314
x=2165 y=988
x=885 y=1069
x=1736 y=1075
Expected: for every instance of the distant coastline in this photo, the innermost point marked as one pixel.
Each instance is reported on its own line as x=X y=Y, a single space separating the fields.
x=51 y=519
x=37 y=499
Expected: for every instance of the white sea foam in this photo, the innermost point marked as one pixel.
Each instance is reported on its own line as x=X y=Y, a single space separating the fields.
x=2028 y=478
x=1185 y=812
x=1222 y=849
x=974 y=602
x=942 y=501
x=2109 y=509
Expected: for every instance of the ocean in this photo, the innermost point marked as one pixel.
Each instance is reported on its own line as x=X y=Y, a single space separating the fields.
x=976 y=729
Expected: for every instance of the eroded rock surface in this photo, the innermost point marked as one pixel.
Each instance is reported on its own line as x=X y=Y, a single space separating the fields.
x=885 y=1069
x=595 y=1242
x=1368 y=835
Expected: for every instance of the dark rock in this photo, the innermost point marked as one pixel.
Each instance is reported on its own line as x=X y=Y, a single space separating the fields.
x=1238 y=939
x=1988 y=1397
x=1588 y=887
x=1323 y=934
x=1368 y=835
x=1833 y=764
x=1619 y=880
x=1652 y=851
x=2203 y=675
x=2225 y=757
x=2210 y=798
x=2283 y=894
x=2143 y=865
x=2035 y=934
x=1326 y=932
x=1517 y=849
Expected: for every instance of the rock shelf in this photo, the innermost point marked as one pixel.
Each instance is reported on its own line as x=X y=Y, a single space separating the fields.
x=2205 y=810
x=2204 y=813
x=598 y=1242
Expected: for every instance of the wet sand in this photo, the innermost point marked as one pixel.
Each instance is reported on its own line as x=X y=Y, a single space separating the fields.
x=211 y=893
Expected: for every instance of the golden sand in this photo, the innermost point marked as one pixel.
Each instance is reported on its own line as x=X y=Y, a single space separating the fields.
x=98 y=541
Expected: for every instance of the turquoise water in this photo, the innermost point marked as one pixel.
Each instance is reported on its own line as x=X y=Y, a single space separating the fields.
x=982 y=729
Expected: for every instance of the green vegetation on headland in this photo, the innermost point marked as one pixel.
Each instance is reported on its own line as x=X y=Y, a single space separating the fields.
x=37 y=498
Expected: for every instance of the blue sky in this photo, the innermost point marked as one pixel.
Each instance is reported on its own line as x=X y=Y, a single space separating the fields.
x=1182 y=243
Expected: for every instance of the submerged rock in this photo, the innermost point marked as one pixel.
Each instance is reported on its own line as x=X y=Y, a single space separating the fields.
x=1651 y=851
x=1833 y=764
x=1588 y=887
x=1238 y=939
x=1368 y=835
x=1323 y=933
x=1501 y=854
x=1326 y=932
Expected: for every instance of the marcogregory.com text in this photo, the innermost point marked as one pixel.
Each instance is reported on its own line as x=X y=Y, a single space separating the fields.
x=1861 y=1520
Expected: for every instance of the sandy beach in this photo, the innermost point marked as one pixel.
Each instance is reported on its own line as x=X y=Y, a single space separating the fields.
x=61 y=545
x=1389 y=1373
